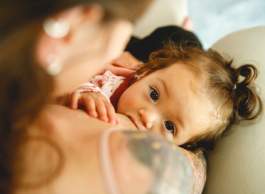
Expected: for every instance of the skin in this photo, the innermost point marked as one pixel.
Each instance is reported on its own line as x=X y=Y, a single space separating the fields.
x=95 y=104
x=125 y=64
x=81 y=171
x=182 y=101
x=71 y=131
x=86 y=49
x=79 y=143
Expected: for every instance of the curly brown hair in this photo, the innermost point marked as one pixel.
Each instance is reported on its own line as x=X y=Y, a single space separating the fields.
x=231 y=89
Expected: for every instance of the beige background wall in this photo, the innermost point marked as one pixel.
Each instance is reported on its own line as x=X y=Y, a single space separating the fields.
x=237 y=166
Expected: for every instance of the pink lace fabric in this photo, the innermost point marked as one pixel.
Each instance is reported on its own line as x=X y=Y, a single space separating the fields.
x=106 y=84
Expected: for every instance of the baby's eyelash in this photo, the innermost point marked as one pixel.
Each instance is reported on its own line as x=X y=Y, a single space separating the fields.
x=154 y=94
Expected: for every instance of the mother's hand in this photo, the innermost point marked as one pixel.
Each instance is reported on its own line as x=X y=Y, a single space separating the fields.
x=125 y=65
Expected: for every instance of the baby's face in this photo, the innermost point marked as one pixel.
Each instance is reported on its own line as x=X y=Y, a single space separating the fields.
x=171 y=102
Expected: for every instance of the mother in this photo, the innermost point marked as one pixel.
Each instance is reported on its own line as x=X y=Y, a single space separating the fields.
x=46 y=148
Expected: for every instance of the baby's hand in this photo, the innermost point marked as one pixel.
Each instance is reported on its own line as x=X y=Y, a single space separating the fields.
x=95 y=104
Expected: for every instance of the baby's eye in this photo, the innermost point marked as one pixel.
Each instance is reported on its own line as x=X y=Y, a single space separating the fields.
x=170 y=127
x=154 y=94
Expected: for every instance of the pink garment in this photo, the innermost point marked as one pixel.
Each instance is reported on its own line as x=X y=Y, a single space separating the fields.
x=111 y=86
x=108 y=84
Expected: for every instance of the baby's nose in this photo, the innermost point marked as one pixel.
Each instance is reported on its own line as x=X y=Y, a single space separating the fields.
x=148 y=118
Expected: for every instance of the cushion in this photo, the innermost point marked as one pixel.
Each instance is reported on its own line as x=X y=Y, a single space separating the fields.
x=161 y=13
x=237 y=165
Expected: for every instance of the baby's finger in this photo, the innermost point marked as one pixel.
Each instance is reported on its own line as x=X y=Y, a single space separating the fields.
x=111 y=113
x=101 y=110
x=74 y=100
x=90 y=106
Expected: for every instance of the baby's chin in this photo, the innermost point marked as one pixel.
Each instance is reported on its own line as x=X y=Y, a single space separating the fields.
x=125 y=122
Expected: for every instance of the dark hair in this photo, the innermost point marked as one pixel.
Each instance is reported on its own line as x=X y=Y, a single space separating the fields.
x=25 y=88
x=141 y=48
x=231 y=89
x=15 y=13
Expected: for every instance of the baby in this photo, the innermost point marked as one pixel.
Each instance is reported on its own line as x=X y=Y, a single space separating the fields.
x=187 y=95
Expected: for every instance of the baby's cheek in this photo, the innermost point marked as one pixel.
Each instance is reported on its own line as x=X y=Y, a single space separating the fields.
x=126 y=103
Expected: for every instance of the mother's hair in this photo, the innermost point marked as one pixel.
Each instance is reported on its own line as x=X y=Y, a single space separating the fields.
x=16 y=13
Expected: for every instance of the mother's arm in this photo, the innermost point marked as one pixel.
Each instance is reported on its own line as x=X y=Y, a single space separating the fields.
x=72 y=76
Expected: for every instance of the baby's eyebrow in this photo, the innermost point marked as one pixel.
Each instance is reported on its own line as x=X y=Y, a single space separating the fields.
x=164 y=86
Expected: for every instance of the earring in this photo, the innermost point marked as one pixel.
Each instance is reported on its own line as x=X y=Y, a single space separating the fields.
x=56 y=28
x=54 y=67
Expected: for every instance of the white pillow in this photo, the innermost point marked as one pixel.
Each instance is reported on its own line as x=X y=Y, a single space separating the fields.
x=237 y=165
x=161 y=13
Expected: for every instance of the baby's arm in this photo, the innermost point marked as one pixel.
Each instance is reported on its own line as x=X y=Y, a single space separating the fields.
x=94 y=96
